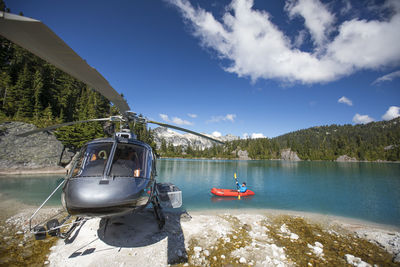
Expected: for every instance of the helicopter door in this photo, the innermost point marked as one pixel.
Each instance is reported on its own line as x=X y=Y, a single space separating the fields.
x=93 y=160
x=129 y=161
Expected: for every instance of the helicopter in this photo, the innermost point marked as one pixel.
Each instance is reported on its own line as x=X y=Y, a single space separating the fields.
x=110 y=176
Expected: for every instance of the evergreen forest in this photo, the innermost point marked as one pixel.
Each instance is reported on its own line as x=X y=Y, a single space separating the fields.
x=374 y=141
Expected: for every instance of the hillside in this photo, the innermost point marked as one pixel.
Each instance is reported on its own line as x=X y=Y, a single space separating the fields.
x=372 y=142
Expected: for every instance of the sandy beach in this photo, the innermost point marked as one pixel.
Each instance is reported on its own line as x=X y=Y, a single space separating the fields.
x=211 y=238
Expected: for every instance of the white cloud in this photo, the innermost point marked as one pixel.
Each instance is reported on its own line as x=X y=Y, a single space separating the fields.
x=257 y=135
x=363 y=119
x=258 y=49
x=346 y=7
x=164 y=117
x=345 y=100
x=227 y=117
x=253 y=135
x=392 y=113
x=317 y=18
x=192 y=115
x=175 y=120
x=388 y=77
x=216 y=134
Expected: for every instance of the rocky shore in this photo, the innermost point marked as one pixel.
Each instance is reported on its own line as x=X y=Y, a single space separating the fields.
x=208 y=238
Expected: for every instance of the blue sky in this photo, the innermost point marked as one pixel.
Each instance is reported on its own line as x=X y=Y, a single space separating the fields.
x=261 y=68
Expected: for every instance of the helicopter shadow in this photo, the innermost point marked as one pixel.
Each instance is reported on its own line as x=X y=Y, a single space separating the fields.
x=140 y=229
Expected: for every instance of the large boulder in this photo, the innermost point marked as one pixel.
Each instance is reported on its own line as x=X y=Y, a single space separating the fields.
x=39 y=150
x=345 y=158
x=288 y=154
x=243 y=155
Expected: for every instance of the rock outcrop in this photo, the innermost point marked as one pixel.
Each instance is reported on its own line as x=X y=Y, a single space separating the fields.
x=345 y=158
x=287 y=154
x=40 y=150
x=243 y=155
x=184 y=140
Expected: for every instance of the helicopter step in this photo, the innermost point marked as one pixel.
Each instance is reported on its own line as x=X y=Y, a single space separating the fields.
x=170 y=195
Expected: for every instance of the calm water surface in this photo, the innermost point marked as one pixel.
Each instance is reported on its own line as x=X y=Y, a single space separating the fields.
x=368 y=191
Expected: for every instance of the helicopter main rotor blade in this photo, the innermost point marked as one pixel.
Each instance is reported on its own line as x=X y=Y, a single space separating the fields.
x=37 y=38
x=186 y=130
x=58 y=126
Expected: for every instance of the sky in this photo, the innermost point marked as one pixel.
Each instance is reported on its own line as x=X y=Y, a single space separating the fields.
x=258 y=68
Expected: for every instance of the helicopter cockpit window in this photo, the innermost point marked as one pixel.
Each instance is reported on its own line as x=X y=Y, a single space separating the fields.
x=93 y=160
x=129 y=161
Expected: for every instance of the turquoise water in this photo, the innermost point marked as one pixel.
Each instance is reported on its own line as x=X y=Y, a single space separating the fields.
x=368 y=191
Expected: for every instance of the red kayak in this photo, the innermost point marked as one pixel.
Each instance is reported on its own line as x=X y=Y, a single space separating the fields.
x=230 y=192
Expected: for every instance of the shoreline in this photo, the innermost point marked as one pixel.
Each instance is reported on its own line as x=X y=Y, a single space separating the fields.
x=10 y=210
x=198 y=237
x=61 y=170
x=238 y=159
x=323 y=218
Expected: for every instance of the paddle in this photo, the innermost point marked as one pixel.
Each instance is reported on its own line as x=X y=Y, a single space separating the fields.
x=237 y=184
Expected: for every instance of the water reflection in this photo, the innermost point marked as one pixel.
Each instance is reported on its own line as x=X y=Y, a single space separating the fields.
x=229 y=199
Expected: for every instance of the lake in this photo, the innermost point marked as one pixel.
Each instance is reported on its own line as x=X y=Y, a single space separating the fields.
x=367 y=191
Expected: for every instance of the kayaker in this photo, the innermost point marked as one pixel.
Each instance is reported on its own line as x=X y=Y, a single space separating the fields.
x=242 y=188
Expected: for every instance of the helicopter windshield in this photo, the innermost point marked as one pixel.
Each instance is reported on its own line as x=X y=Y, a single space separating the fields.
x=129 y=161
x=93 y=160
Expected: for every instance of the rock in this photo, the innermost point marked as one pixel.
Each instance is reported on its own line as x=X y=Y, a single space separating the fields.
x=346 y=158
x=247 y=227
x=242 y=260
x=316 y=249
x=288 y=154
x=206 y=253
x=243 y=155
x=223 y=257
x=197 y=249
x=355 y=261
x=39 y=150
x=185 y=217
x=396 y=259
x=294 y=236
x=284 y=228
x=317 y=244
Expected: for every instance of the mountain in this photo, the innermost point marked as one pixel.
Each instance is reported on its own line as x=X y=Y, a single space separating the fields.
x=186 y=140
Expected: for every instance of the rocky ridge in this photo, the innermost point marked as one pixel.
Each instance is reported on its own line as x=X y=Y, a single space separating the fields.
x=184 y=140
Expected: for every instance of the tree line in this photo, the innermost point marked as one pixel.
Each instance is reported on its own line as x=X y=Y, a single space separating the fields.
x=370 y=142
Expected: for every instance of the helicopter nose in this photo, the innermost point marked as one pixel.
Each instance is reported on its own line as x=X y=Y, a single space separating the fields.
x=88 y=193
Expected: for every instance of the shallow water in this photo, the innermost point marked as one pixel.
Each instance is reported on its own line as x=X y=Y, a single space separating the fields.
x=367 y=191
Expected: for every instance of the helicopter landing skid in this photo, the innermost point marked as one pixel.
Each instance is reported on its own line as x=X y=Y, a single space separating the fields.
x=158 y=212
x=53 y=228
